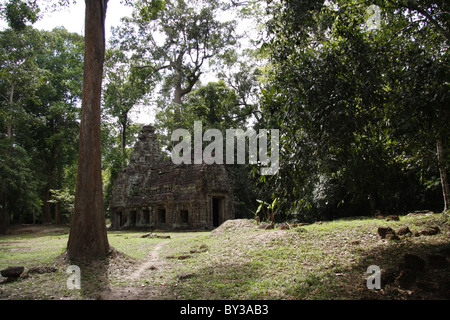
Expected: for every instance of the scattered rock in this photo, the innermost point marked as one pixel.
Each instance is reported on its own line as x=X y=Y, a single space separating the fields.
x=392 y=218
x=12 y=272
x=436 y=228
x=413 y=262
x=406 y=278
x=41 y=270
x=202 y=248
x=415 y=278
x=430 y=231
x=154 y=235
x=382 y=231
x=184 y=256
x=392 y=236
x=284 y=226
x=387 y=233
x=149 y=235
x=185 y=275
x=266 y=226
x=437 y=261
x=403 y=231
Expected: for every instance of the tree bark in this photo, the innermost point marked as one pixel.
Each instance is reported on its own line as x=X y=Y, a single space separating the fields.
x=443 y=172
x=88 y=236
x=124 y=132
x=177 y=96
x=57 y=213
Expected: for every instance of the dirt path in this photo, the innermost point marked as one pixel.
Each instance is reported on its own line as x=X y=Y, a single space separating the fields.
x=153 y=262
x=148 y=271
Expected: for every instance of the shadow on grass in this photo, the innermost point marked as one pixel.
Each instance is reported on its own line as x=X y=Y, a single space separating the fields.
x=95 y=273
x=426 y=278
x=222 y=281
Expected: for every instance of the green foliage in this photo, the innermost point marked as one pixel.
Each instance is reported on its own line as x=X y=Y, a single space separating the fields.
x=354 y=106
x=360 y=105
x=124 y=88
x=66 y=200
x=270 y=209
x=216 y=105
x=172 y=42
x=18 y=184
x=41 y=79
x=19 y=12
x=150 y=10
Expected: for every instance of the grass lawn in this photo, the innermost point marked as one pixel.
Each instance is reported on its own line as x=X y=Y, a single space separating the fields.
x=238 y=260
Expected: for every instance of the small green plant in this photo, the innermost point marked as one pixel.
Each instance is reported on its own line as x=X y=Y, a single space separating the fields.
x=270 y=209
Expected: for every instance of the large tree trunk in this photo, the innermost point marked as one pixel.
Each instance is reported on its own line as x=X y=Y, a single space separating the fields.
x=88 y=236
x=57 y=213
x=178 y=93
x=443 y=172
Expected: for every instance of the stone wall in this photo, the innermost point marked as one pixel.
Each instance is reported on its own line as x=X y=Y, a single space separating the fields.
x=151 y=192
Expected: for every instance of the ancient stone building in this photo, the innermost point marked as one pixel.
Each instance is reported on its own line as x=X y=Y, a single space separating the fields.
x=151 y=192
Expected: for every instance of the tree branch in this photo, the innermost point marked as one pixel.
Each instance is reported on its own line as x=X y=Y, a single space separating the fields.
x=412 y=4
x=155 y=70
x=433 y=21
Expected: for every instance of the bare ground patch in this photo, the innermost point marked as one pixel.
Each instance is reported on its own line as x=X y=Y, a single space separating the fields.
x=142 y=278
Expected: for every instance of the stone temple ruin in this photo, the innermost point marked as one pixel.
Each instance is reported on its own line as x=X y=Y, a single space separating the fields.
x=153 y=192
